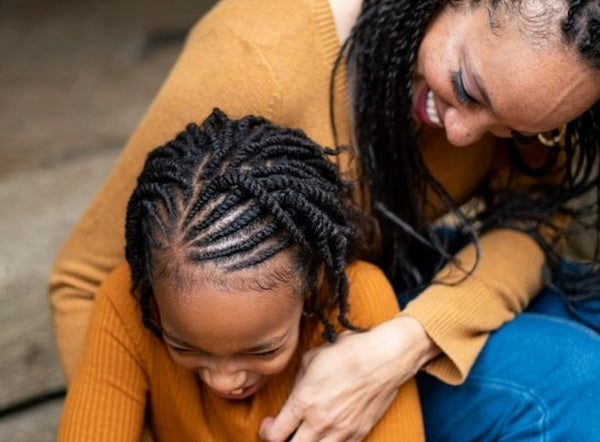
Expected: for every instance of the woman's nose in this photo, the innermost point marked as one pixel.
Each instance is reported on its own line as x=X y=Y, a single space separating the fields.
x=465 y=126
x=223 y=378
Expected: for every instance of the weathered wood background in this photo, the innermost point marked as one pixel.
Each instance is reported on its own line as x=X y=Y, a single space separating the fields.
x=75 y=78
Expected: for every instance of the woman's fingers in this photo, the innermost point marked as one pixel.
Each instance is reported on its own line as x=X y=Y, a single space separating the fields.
x=345 y=388
x=279 y=429
x=305 y=433
x=344 y=430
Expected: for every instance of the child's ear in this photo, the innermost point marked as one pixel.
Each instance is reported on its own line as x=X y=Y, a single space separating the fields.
x=318 y=283
x=321 y=294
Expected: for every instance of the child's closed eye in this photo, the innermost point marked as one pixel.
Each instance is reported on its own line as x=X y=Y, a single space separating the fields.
x=266 y=354
x=181 y=350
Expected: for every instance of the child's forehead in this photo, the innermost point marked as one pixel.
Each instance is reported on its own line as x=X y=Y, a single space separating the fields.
x=206 y=313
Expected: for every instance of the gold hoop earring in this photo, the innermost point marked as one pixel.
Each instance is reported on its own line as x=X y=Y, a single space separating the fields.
x=556 y=140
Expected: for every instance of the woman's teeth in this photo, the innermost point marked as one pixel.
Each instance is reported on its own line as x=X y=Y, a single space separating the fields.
x=432 y=111
x=236 y=392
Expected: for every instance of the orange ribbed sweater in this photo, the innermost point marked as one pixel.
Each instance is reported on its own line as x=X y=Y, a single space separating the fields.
x=273 y=58
x=127 y=374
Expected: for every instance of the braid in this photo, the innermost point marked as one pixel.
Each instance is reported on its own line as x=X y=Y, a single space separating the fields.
x=581 y=27
x=237 y=193
x=384 y=45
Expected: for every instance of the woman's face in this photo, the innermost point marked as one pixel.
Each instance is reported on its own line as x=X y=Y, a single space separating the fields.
x=470 y=79
x=233 y=331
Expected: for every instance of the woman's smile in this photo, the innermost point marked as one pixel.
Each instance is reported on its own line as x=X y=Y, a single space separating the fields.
x=426 y=110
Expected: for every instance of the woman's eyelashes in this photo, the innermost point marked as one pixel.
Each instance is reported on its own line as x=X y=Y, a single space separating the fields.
x=458 y=86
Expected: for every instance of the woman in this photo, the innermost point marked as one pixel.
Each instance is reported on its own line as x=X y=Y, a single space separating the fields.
x=443 y=74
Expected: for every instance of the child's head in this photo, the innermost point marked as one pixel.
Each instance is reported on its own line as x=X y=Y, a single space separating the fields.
x=234 y=229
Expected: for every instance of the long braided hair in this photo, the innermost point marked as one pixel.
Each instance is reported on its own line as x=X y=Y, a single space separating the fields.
x=381 y=50
x=237 y=193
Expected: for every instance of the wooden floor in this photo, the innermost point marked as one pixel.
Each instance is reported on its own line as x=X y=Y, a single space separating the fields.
x=75 y=78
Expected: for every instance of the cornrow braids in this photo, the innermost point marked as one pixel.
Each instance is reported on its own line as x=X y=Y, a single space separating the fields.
x=236 y=193
x=381 y=51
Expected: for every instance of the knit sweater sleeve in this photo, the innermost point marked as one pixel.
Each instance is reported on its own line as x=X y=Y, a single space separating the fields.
x=460 y=317
x=107 y=398
x=202 y=78
x=372 y=302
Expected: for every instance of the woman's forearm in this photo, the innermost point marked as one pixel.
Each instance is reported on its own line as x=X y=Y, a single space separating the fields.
x=459 y=317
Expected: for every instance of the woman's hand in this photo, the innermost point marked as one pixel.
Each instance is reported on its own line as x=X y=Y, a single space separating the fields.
x=343 y=389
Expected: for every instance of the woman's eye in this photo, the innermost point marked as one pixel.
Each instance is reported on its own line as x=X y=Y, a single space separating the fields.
x=460 y=92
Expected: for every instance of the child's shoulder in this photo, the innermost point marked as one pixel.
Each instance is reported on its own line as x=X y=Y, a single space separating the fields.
x=117 y=288
x=363 y=275
x=371 y=296
x=363 y=269
x=116 y=292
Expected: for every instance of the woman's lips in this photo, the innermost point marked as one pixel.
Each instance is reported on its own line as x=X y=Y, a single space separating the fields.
x=239 y=394
x=426 y=110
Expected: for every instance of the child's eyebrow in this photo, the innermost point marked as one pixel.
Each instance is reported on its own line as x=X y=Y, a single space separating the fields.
x=269 y=344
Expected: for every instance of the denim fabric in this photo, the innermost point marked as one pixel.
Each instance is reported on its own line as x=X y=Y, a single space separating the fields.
x=537 y=379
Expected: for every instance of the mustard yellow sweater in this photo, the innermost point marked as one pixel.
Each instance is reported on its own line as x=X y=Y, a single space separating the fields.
x=273 y=58
x=126 y=374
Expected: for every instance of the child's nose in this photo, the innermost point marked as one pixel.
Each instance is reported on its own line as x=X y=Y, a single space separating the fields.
x=224 y=380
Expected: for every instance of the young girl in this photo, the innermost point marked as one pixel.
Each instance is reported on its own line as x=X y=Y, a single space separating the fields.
x=239 y=239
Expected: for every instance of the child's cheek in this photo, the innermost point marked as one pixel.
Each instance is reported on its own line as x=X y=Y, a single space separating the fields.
x=275 y=365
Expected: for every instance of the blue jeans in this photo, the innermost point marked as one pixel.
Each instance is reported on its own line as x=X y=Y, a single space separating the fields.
x=537 y=379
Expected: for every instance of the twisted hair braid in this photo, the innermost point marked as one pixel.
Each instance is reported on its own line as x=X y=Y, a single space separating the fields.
x=581 y=27
x=236 y=193
x=383 y=45
x=382 y=50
